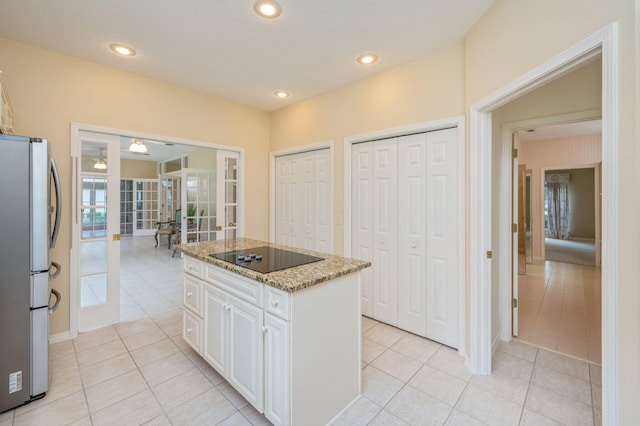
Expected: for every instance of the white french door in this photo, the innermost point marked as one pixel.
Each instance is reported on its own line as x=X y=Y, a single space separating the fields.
x=145 y=207
x=168 y=197
x=228 y=186
x=96 y=230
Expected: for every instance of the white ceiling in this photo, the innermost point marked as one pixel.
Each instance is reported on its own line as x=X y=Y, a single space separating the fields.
x=561 y=131
x=221 y=47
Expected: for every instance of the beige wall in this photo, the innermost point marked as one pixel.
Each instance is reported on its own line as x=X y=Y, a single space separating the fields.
x=203 y=159
x=138 y=169
x=514 y=37
x=557 y=153
x=49 y=91
x=582 y=219
x=428 y=89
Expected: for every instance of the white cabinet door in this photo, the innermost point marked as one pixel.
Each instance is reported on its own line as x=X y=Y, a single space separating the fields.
x=412 y=229
x=214 y=348
x=276 y=370
x=245 y=351
x=442 y=237
x=385 y=224
x=362 y=217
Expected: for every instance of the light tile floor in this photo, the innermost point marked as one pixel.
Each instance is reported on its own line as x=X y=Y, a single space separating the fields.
x=140 y=371
x=560 y=309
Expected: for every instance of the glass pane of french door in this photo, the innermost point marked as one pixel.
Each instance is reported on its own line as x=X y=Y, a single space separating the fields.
x=198 y=205
x=99 y=213
x=228 y=208
x=145 y=209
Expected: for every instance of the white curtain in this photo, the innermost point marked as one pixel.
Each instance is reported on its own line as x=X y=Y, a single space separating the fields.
x=558 y=205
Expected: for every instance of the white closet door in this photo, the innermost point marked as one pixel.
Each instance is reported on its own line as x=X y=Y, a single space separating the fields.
x=412 y=233
x=303 y=204
x=442 y=238
x=306 y=224
x=385 y=225
x=362 y=217
x=323 y=201
x=288 y=183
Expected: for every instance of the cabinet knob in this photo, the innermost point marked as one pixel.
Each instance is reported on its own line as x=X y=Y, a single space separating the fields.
x=189 y=265
x=381 y=241
x=274 y=303
x=189 y=294
x=189 y=330
x=265 y=329
x=413 y=245
x=227 y=306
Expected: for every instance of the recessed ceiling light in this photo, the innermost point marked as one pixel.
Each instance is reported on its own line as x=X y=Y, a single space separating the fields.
x=367 y=59
x=281 y=93
x=122 y=49
x=267 y=9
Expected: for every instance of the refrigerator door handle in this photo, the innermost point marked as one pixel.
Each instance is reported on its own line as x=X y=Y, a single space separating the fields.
x=55 y=306
x=56 y=184
x=58 y=270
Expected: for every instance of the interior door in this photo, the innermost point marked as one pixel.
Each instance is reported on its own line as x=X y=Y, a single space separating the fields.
x=303 y=204
x=522 y=227
x=145 y=207
x=362 y=218
x=516 y=263
x=97 y=223
x=229 y=211
x=168 y=197
x=198 y=206
x=288 y=168
x=442 y=237
x=412 y=233
x=385 y=225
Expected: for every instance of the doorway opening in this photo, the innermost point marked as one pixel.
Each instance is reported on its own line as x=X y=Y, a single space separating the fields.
x=121 y=199
x=558 y=288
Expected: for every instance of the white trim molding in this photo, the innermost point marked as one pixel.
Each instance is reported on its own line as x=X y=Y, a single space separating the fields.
x=272 y=185
x=459 y=123
x=605 y=43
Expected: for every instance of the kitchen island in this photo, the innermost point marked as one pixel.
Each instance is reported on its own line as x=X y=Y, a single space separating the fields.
x=289 y=341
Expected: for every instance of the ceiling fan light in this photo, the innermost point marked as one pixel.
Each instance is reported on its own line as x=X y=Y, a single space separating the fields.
x=100 y=164
x=138 y=146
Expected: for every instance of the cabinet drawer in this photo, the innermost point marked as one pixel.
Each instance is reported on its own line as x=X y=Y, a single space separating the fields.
x=192 y=331
x=237 y=285
x=276 y=302
x=193 y=266
x=192 y=294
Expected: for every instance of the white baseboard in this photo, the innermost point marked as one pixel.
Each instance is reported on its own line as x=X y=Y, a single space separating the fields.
x=59 y=337
x=495 y=343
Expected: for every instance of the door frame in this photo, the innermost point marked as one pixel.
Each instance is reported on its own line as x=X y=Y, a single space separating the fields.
x=604 y=42
x=459 y=123
x=272 y=185
x=75 y=144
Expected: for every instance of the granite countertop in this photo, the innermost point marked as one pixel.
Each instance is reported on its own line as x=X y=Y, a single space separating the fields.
x=291 y=279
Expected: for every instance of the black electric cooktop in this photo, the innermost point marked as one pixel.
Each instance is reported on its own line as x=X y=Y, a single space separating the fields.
x=266 y=259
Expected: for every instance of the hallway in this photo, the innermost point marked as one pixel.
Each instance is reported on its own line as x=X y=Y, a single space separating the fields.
x=560 y=309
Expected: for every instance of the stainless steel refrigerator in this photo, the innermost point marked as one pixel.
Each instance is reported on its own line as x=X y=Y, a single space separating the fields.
x=27 y=232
